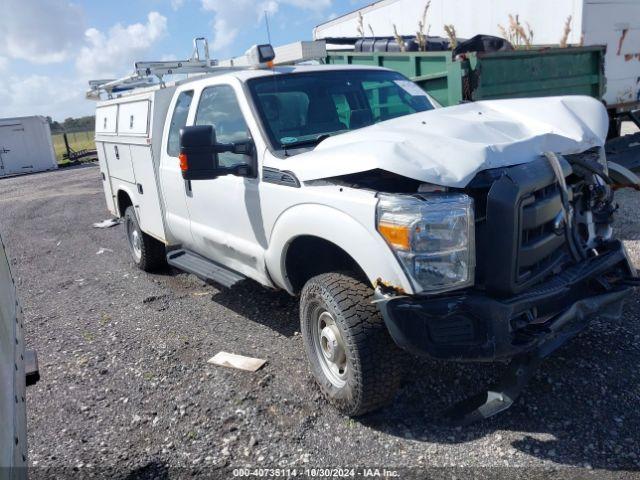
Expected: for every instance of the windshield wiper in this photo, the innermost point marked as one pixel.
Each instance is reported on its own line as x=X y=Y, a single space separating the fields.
x=307 y=141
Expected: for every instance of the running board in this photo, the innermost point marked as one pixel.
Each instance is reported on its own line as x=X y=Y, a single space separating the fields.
x=203 y=268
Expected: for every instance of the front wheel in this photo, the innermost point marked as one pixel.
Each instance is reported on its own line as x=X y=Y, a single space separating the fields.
x=147 y=252
x=352 y=357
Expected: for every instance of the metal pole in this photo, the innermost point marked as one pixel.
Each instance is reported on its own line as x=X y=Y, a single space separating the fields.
x=66 y=145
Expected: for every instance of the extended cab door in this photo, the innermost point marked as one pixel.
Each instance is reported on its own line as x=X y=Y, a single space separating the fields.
x=226 y=212
x=173 y=185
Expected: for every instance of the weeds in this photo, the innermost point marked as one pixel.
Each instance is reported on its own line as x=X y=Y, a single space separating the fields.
x=565 y=33
x=421 y=36
x=399 y=39
x=360 y=27
x=451 y=34
x=516 y=33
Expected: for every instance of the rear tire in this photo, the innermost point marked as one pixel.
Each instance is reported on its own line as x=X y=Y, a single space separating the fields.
x=148 y=253
x=351 y=354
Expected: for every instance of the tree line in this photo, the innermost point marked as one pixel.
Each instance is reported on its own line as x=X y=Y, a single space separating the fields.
x=81 y=124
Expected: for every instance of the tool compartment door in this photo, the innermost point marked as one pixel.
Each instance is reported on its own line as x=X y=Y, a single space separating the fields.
x=133 y=118
x=118 y=157
x=106 y=179
x=106 y=118
x=148 y=206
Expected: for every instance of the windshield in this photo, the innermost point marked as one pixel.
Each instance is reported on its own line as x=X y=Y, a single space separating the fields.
x=300 y=110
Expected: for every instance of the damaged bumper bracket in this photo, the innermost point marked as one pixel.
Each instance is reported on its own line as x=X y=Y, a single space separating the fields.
x=522 y=367
x=523 y=329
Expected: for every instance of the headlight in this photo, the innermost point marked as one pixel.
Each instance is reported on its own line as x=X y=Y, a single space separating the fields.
x=433 y=236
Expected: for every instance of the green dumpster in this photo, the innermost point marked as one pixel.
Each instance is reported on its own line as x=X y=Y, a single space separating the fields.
x=477 y=76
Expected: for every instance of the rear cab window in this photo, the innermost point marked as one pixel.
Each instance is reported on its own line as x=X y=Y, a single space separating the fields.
x=219 y=107
x=178 y=121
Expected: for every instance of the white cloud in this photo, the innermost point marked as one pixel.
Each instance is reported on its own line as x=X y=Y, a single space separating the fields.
x=98 y=54
x=43 y=95
x=113 y=53
x=232 y=16
x=43 y=31
x=177 y=4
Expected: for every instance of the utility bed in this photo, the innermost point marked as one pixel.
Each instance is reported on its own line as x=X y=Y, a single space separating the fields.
x=128 y=141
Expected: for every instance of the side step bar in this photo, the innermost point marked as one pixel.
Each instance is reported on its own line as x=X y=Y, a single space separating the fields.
x=203 y=268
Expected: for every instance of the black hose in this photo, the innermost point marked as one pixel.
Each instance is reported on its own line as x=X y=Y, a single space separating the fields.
x=573 y=241
x=593 y=168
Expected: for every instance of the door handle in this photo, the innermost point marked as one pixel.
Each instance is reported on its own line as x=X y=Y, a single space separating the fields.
x=115 y=147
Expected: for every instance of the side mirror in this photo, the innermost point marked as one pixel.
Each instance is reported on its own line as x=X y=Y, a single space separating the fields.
x=198 y=161
x=199 y=154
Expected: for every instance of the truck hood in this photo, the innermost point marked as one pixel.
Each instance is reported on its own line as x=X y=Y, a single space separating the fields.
x=449 y=146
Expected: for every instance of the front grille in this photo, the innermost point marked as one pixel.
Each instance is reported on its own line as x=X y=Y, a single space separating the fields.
x=541 y=242
x=520 y=241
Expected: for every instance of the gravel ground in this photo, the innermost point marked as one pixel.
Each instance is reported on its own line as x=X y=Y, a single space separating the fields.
x=125 y=381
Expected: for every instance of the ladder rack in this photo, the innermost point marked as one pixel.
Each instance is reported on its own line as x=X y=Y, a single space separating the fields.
x=146 y=73
x=151 y=74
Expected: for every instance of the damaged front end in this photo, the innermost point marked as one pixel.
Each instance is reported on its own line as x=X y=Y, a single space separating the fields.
x=545 y=264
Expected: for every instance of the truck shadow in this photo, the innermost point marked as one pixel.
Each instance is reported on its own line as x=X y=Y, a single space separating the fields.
x=276 y=310
x=154 y=470
x=577 y=410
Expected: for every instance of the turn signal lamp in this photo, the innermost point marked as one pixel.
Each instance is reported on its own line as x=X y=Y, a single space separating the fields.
x=396 y=235
x=184 y=166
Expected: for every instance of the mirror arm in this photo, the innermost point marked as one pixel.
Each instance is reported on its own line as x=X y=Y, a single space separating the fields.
x=239 y=170
x=244 y=147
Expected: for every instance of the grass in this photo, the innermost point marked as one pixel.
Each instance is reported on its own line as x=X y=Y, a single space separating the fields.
x=77 y=141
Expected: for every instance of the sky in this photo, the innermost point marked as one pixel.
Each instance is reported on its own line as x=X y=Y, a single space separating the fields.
x=49 y=49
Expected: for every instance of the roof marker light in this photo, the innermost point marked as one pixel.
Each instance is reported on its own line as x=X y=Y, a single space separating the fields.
x=260 y=56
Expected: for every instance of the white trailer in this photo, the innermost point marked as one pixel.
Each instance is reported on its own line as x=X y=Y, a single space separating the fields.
x=26 y=146
x=614 y=23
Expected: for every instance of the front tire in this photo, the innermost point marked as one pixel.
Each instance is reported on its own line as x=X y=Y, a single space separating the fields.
x=352 y=357
x=147 y=252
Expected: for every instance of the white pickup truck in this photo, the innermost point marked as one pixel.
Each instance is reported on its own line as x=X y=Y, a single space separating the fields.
x=479 y=232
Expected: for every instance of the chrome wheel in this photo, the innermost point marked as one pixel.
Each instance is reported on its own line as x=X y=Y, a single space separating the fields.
x=330 y=348
x=134 y=240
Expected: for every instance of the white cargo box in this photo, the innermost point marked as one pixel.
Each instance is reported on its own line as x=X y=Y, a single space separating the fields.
x=26 y=146
x=614 y=23
x=128 y=137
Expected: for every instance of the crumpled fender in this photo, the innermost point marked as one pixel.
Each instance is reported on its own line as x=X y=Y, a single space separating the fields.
x=365 y=246
x=449 y=146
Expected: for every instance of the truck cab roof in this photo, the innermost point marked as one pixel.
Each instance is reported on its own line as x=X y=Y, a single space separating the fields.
x=246 y=74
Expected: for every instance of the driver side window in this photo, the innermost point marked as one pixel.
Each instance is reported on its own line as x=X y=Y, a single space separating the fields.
x=219 y=107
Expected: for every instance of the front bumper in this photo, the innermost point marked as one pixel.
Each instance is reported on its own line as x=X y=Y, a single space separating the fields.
x=473 y=326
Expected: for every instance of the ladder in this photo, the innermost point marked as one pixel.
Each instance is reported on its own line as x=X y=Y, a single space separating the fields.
x=151 y=74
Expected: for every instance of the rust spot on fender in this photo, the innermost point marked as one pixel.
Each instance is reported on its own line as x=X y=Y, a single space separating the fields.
x=388 y=287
